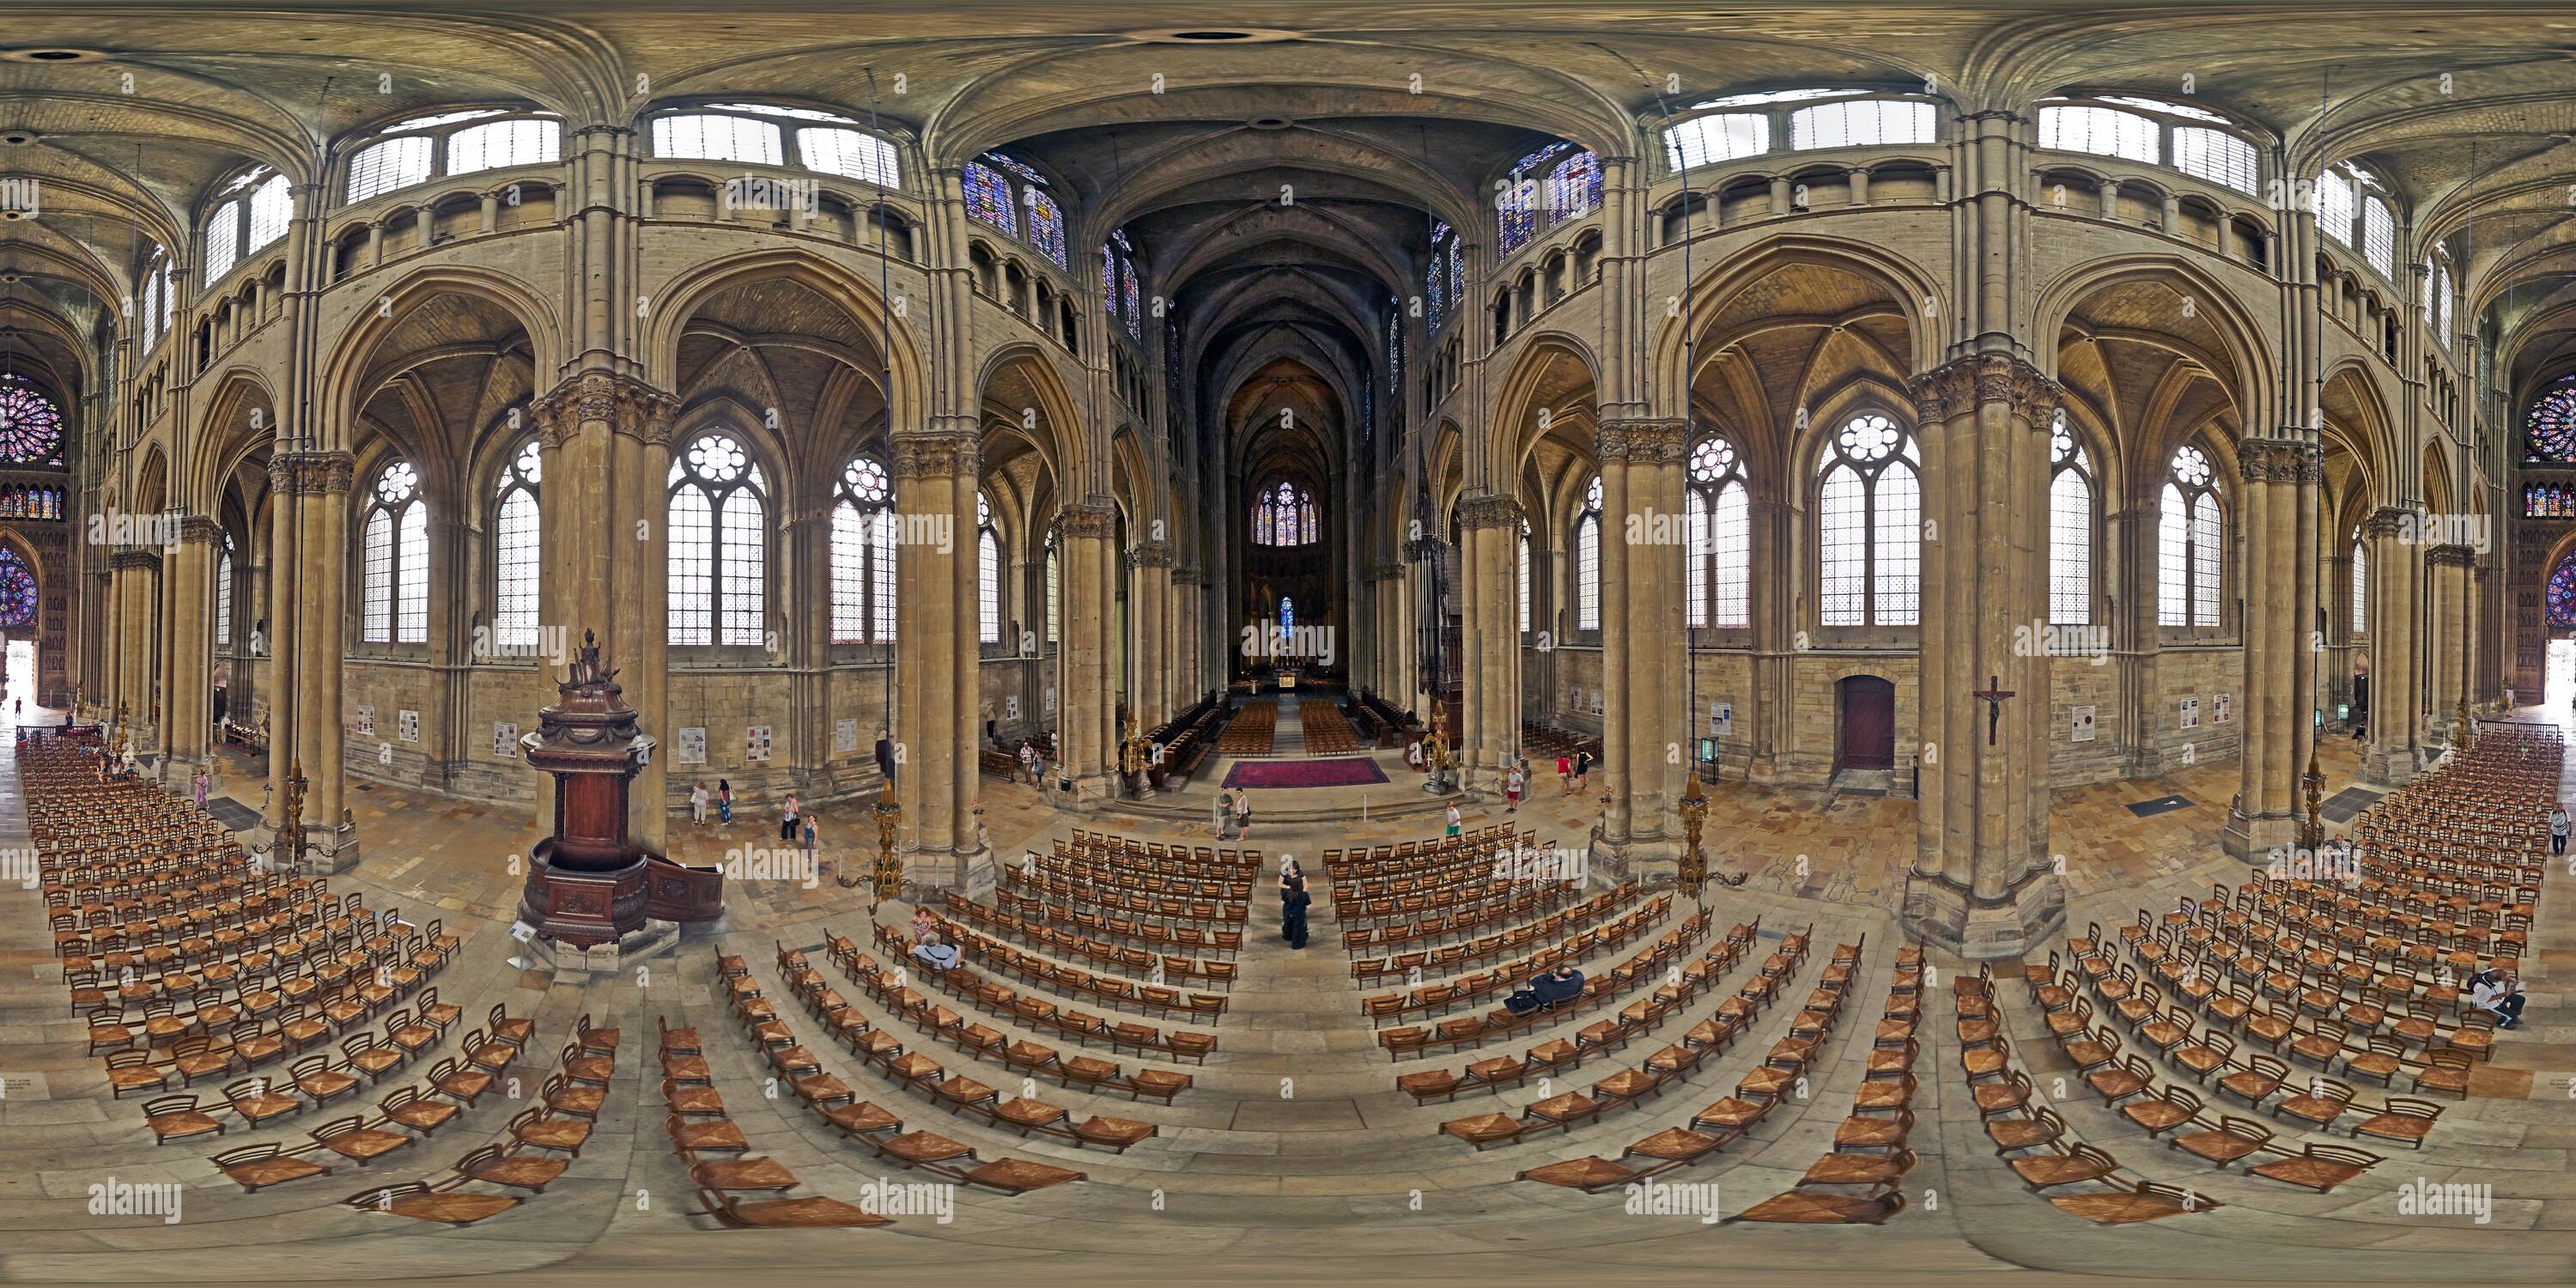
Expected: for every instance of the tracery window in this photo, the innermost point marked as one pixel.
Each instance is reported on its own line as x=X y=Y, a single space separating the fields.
x=2360 y=588
x=517 y=549
x=1046 y=228
x=2379 y=236
x=395 y=551
x=1435 y=284
x=988 y=554
x=17 y=591
x=2190 y=544
x=758 y=133
x=1285 y=515
x=1525 y=577
x=1051 y=584
x=1720 y=529
x=719 y=545
x=864 y=529
x=2070 y=527
x=1869 y=503
x=988 y=197
x=2549 y=429
x=31 y=427
x=2562 y=593
x=1857 y=123
x=224 y=593
x=1587 y=560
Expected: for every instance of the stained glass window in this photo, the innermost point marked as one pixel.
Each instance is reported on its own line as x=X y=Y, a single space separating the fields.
x=1109 y=281
x=1287 y=617
x=1046 y=228
x=1133 y=292
x=1050 y=590
x=2549 y=435
x=1457 y=270
x=2360 y=589
x=1868 y=542
x=2070 y=528
x=1015 y=167
x=2562 y=593
x=1518 y=204
x=31 y=427
x=17 y=591
x=516 y=550
x=1574 y=187
x=988 y=197
x=718 y=553
x=1286 y=515
x=1435 y=288
x=864 y=529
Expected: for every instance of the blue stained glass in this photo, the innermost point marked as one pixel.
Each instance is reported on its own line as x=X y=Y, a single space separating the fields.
x=1046 y=227
x=1015 y=167
x=1135 y=314
x=988 y=198
x=17 y=591
x=1534 y=159
x=1287 y=617
x=1108 y=282
x=1574 y=187
x=1519 y=209
x=1457 y=270
x=31 y=429
x=2550 y=433
x=1435 y=295
x=2562 y=593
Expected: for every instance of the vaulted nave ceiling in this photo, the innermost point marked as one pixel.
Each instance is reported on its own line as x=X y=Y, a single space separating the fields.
x=1390 y=116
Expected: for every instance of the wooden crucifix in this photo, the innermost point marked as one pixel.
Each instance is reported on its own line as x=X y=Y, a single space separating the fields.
x=1994 y=694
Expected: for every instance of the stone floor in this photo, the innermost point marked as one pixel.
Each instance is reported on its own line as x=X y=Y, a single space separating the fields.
x=1293 y=1159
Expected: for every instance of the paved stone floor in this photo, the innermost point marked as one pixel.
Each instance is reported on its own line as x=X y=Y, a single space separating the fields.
x=1293 y=1158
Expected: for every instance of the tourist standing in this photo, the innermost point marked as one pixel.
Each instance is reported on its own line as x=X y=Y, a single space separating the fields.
x=1512 y=784
x=1564 y=774
x=203 y=783
x=1224 y=813
x=1242 y=812
x=2558 y=829
x=1453 y=821
x=698 y=802
x=787 y=819
x=724 y=801
x=1293 y=902
x=1583 y=770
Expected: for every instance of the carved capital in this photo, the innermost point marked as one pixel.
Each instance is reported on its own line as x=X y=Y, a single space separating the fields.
x=624 y=404
x=1151 y=554
x=2279 y=460
x=134 y=561
x=330 y=473
x=1643 y=441
x=935 y=456
x=2452 y=556
x=1386 y=571
x=2382 y=522
x=1097 y=522
x=1490 y=511
x=197 y=529
x=1422 y=549
x=1957 y=387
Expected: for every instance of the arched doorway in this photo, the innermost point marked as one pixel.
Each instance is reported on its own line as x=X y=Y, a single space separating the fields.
x=1865 y=710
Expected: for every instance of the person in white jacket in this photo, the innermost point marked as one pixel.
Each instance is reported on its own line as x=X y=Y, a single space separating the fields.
x=2498 y=993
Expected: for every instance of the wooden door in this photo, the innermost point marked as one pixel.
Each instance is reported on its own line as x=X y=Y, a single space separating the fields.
x=1868 y=723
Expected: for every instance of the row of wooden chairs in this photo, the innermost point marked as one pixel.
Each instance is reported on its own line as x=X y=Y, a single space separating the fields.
x=1449 y=959
x=1437 y=999
x=1602 y=989
x=1001 y=999
x=1064 y=892
x=1160 y=966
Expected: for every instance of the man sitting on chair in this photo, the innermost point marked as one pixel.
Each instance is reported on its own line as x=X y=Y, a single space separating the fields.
x=935 y=954
x=1549 y=991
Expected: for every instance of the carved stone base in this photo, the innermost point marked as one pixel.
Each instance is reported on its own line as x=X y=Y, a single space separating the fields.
x=968 y=872
x=1652 y=861
x=2393 y=768
x=2254 y=838
x=654 y=941
x=1952 y=919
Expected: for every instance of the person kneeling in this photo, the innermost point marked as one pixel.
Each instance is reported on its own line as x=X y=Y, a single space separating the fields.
x=2498 y=993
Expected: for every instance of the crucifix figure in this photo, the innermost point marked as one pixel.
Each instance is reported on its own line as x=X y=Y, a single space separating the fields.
x=1994 y=694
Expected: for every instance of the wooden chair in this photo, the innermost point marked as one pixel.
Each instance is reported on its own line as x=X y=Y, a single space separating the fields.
x=2402 y=1119
x=441 y=1204
x=2232 y=1139
x=812 y=1212
x=256 y=1167
x=178 y=1118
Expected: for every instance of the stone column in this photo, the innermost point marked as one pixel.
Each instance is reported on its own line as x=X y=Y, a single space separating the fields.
x=286 y=614
x=1767 y=714
x=2395 y=572
x=1089 y=697
x=1643 y=546
x=938 y=658
x=1491 y=526
x=1150 y=605
x=605 y=445
x=2275 y=515
x=323 y=643
x=2447 y=569
x=1983 y=884
x=191 y=634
